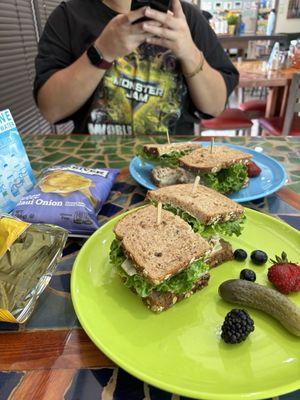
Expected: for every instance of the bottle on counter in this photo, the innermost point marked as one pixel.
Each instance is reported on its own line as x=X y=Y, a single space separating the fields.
x=238 y=26
x=296 y=58
x=275 y=51
x=271 y=22
x=242 y=28
x=275 y=64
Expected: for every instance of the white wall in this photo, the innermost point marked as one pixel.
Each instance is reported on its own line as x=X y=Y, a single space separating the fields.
x=284 y=25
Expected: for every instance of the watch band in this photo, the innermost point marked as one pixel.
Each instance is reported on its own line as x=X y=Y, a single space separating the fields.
x=96 y=58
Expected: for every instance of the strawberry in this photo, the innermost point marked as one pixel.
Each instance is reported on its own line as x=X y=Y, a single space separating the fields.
x=284 y=275
x=253 y=169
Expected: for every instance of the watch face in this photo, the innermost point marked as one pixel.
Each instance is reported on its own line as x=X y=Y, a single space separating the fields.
x=94 y=56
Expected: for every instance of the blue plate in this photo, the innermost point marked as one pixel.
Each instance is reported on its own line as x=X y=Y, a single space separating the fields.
x=272 y=177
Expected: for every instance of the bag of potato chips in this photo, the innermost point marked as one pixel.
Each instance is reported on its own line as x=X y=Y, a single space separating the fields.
x=69 y=196
x=29 y=255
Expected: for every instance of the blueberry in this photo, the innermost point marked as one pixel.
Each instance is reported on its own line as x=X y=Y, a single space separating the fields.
x=248 y=275
x=240 y=255
x=259 y=257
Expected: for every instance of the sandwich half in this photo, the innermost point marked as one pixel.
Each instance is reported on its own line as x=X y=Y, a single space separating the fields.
x=207 y=211
x=165 y=155
x=224 y=169
x=162 y=263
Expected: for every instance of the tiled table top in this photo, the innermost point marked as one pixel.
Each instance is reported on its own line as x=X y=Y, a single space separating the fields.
x=50 y=357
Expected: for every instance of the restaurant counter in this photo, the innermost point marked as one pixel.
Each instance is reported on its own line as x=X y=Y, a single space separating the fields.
x=241 y=42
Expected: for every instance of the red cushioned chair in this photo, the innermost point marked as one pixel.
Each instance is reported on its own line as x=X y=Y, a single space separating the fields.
x=254 y=109
x=229 y=119
x=275 y=126
x=290 y=123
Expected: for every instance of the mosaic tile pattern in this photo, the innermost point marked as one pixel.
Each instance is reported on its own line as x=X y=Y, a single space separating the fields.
x=55 y=310
x=116 y=152
x=8 y=382
x=105 y=384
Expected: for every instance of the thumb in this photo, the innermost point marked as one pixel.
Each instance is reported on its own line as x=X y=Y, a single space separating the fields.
x=177 y=9
x=135 y=15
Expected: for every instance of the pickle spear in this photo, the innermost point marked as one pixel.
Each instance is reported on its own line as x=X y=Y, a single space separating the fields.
x=249 y=294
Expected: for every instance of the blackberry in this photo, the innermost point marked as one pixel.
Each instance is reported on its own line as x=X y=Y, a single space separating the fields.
x=236 y=326
x=248 y=275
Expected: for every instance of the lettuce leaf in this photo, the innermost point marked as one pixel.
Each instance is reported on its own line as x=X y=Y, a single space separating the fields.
x=192 y=221
x=166 y=160
x=228 y=228
x=184 y=281
x=116 y=254
x=178 y=284
x=226 y=180
x=136 y=282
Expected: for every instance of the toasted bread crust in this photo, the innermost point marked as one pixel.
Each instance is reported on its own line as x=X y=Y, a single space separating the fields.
x=160 y=149
x=205 y=204
x=203 y=161
x=159 y=251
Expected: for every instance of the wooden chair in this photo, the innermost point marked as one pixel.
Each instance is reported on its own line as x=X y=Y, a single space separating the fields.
x=254 y=109
x=290 y=123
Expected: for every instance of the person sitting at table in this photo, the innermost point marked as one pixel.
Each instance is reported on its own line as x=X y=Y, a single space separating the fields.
x=111 y=73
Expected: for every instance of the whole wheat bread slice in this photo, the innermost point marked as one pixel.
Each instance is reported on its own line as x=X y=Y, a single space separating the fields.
x=203 y=161
x=161 y=301
x=159 y=251
x=166 y=176
x=205 y=204
x=161 y=149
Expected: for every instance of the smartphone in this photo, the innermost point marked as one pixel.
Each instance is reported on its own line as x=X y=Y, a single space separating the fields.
x=160 y=5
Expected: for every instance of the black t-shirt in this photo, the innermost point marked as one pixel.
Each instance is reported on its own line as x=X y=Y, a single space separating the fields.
x=142 y=93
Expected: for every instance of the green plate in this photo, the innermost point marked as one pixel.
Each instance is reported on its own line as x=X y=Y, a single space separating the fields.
x=180 y=350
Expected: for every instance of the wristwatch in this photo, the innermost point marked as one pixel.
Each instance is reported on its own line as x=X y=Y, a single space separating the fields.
x=96 y=58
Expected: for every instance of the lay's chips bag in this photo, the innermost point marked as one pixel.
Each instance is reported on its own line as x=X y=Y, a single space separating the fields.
x=69 y=196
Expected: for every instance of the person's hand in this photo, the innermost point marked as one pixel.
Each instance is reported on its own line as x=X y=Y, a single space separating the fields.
x=173 y=34
x=122 y=35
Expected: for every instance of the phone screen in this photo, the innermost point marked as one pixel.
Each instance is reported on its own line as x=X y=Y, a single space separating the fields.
x=135 y=4
x=160 y=5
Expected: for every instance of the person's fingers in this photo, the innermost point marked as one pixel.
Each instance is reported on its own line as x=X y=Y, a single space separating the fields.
x=160 y=31
x=164 y=18
x=145 y=36
x=138 y=27
x=135 y=15
x=139 y=39
x=168 y=44
x=177 y=9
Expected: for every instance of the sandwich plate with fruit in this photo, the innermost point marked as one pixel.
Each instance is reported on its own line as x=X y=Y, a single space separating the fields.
x=195 y=294
x=240 y=173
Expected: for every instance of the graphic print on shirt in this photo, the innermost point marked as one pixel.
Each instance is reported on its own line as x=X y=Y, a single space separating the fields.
x=141 y=93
